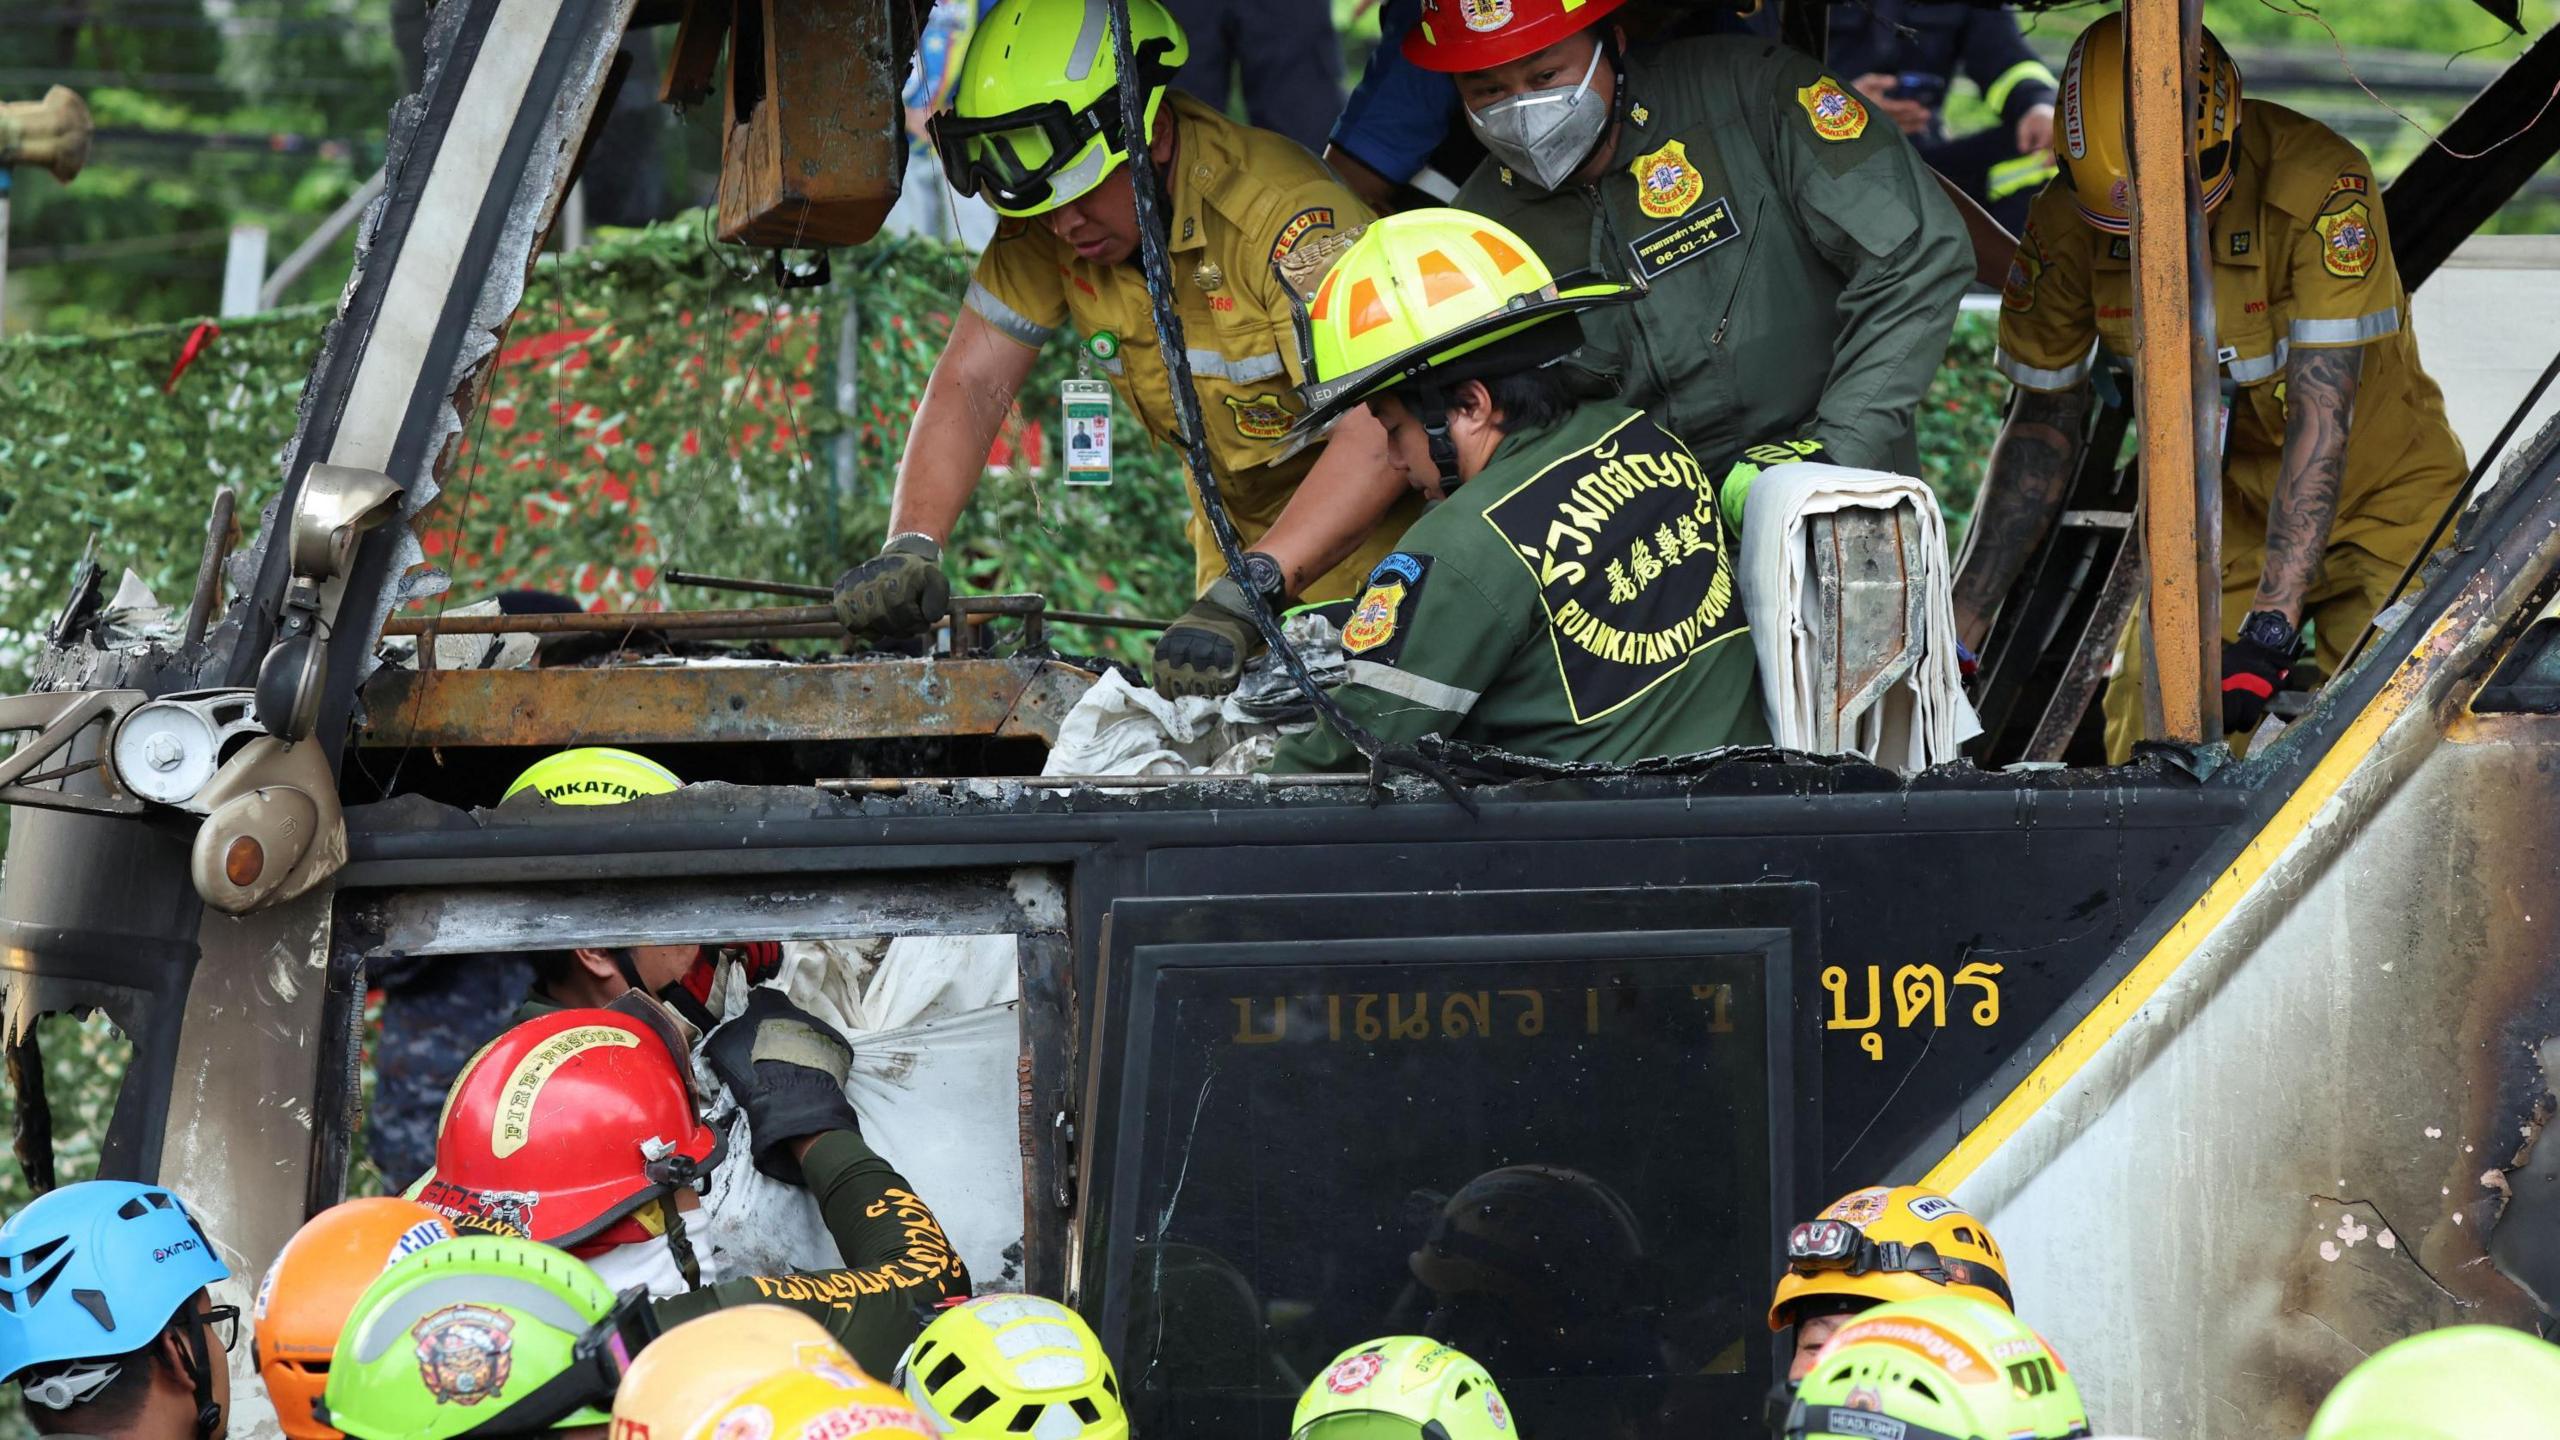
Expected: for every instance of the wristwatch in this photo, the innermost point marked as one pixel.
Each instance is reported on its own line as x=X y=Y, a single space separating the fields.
x=1262 y=572
x=2269 y=630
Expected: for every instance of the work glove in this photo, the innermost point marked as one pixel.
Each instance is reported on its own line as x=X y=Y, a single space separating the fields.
x=1205 y=651
x=2251 y=675
x=897 y=593
x=787 y=1069
x=1734 y=490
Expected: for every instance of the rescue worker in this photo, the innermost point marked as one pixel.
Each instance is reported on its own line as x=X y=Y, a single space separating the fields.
x=309 y=1292
x=480 y=1335
x=1402 y=1386
x=2337 y=457
x=607 y=1165
x=107 y=1329
x=1035 y=127
x=1540 y=1270
x=1946 y=1368
x=1575 y=599
x=1902 y=56
x=1804 y=265
x=593 y=976
x=1006 y=1365
x=1878 y=1245
x=2459 y=1383
x=699 y=1366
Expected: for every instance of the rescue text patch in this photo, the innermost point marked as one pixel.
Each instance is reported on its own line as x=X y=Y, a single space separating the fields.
x=1318 y=217
x=1623 y=540
x=1685 y=239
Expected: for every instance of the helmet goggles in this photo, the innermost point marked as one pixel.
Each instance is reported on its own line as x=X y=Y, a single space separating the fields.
x=1819 y=1245
x=1021 y=159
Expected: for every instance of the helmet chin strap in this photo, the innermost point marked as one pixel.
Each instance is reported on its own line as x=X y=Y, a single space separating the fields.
x=196 y=1360
x=1434 y=416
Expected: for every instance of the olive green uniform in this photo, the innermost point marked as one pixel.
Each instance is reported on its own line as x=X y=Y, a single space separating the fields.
x=1804 y=264
x=1575 y=601
x=897 y=1261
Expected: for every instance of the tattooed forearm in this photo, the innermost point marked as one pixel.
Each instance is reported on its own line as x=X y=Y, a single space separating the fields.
x=2320 y=400
x=2031 y=467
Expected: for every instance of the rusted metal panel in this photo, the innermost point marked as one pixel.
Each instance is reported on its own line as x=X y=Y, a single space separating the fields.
x=2175 y=386
x=760 y=704
x=816 y=148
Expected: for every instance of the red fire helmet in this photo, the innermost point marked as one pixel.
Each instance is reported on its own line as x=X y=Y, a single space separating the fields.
x=564 y=1129
x=1455 y=36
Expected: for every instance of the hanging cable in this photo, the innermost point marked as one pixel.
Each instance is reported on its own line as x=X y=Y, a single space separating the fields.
x=1158 y=264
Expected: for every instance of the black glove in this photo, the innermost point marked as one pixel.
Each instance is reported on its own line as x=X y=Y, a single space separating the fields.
x=787 y=1067
x=897 y=593
x=2252 y=673
x=1205 y=651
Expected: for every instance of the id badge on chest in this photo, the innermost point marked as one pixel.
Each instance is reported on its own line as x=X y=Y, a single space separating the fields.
x=1084 y=409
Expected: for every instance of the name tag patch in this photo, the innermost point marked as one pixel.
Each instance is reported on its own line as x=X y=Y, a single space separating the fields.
x=1685 y=239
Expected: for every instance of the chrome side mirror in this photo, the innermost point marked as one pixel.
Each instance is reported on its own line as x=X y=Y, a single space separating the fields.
x=338 y=504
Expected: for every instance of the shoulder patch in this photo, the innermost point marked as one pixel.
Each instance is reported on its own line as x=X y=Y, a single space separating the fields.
x=1314 y=217
x=1376 y=629
x=2026 y=267
x=1836 y=114
x=2347 y=245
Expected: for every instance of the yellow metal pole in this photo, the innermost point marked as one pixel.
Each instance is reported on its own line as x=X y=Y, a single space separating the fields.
x=2177 y=397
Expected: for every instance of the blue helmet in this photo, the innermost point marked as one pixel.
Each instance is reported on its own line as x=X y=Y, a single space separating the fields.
x=95 y=1270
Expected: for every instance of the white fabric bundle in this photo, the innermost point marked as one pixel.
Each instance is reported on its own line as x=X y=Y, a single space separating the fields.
x=1925 y=717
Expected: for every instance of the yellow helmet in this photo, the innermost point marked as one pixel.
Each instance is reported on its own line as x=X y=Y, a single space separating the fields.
x=817 y=1401
x=700 y=1365
x=595 y=775
x=1034 y=120
x=1006 y=1365
x=1882 y=1244
x=1402 y=1385
x=1418 y=291
x=2090 y=126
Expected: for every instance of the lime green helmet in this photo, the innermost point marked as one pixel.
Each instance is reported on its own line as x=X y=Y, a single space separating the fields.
x=1399 y=1388
x=1946 y=1368
x=1011 y=1365
x=2464 y=1382
x=1425 y=292
x=595 y=775
x=1034 y=121
x=460 y=1334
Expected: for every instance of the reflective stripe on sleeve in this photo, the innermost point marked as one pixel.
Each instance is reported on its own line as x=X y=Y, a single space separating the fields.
x=1248 y=371
x=2256 y=367
x=1015 y=324
x=1405 y=685
x=1996 y=95
x=2357 y=331
x=2022 y=373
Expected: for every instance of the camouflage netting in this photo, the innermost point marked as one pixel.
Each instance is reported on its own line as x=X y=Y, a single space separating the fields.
x=658 y=404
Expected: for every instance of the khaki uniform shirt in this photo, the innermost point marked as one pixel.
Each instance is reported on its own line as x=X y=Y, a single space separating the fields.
x=2301 y=260
x=1242 y=199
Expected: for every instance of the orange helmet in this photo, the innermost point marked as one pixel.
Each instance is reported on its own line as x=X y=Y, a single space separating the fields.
x=702 y=1364
x=1456 y=36
x=1881 y=1244
x=306 y=1298
x=2089 y=125
x=567 y=1129
x=816 y=1401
